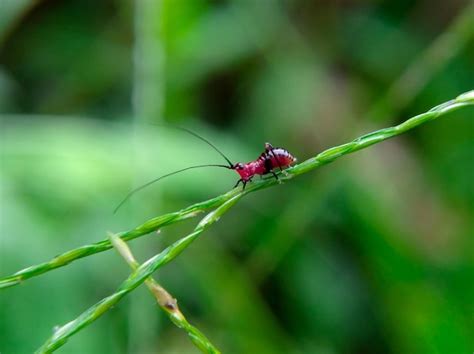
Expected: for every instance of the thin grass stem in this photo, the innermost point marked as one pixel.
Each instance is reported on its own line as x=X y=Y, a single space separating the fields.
x=327 y=156
x=164 y=299
x=138 y=276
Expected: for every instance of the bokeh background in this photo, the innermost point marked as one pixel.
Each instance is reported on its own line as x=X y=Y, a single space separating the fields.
x=371 y=254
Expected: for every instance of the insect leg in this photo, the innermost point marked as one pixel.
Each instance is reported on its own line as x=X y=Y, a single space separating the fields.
x=276 y=176
x=269 y=150
x=240 y=180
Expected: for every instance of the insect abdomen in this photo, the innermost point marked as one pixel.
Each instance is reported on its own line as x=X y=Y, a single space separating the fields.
x=280 y=158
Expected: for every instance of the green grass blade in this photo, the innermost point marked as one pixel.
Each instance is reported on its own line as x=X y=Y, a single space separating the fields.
x=327 y=156
x=166 y=302
x=62 y=334
x=104 y=245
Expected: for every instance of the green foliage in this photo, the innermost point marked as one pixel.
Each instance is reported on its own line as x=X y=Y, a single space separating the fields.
x=223 y=204
x=371 y=254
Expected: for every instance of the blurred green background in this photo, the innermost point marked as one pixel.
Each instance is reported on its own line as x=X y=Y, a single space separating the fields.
x=371 y=254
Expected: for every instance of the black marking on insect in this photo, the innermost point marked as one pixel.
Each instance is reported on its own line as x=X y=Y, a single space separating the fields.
x=271 y=159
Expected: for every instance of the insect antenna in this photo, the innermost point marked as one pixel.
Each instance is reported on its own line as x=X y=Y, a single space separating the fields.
x=197 y=136
x=133 y=191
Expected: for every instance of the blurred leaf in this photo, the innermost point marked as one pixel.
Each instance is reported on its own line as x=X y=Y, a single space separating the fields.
x=10 y=12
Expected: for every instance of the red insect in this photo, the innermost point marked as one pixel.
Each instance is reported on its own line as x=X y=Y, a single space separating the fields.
x=271 y=159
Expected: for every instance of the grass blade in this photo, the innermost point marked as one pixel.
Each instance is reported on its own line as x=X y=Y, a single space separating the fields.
x=327 y=156
x=61 y=335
